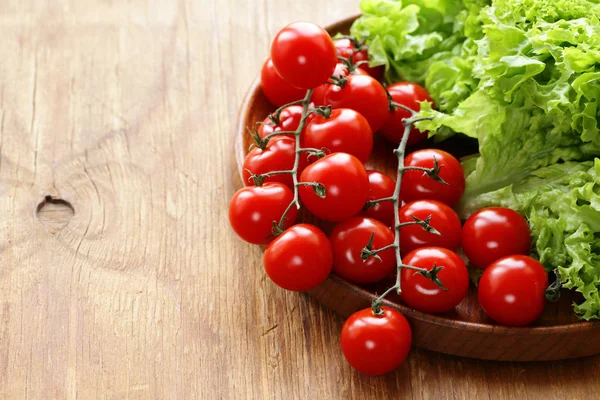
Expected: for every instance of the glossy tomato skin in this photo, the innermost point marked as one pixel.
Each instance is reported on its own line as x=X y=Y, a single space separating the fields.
x=410 y=95
x=253 y=209
x=279 y=155
x=376 y=345
x=381 y=186
x=348 y=240
x=278 y=91
x=300 y=259
x=289 y=120
x=303 y=55
x=511 y=290
x=444 y=219
x=416 y=185
x=318 y=96
x=345 y=131
x=493 y=233
x=422 y=293
x=362 y=94
x=346 y=183
x=345 y=48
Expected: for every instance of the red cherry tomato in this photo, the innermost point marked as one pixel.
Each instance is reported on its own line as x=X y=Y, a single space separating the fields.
x=349 y=238
x=362 y=94
x=422 y=293
x=376 y=345
x=511 y=290
x=278 y=91
x=346 y=183
x=279 y=155
x=318 y=96
x=253 y=209
x=381 y=186
x=303 y=55
x=416 y=185
x=299 y=259
x=443 y=219
x=410 y=95
x=346 y=49
x=493 y=233
x=289 y=120
x=344 y=131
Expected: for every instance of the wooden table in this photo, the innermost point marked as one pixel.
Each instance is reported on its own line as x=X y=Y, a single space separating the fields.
x=119 y=275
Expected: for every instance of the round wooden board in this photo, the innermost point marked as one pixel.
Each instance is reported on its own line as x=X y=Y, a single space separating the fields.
x=466 y=331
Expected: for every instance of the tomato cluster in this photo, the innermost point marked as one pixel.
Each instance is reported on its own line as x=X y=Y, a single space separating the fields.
x=312 y=151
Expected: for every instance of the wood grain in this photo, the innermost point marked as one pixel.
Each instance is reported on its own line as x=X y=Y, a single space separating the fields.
x=126 y=110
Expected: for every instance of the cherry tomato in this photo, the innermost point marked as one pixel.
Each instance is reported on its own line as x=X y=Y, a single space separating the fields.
x=289 y=120
x=253 y=209
x=304 y=55
x=279 y=155
x=443 y=219
x=344 y=131
x=422 y=293
x=299 y=259
x=410 y=95
x=416 y=185
x=278 y=91
x=318 y=96
x=362 y=94
x=376 y=345
x=346 y=183
x=381 y=186
x=511 y=290
x=349 y=238
x=346 y=48
x=493 y=233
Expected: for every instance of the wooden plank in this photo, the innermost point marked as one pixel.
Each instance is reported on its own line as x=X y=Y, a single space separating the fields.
x=126 y=111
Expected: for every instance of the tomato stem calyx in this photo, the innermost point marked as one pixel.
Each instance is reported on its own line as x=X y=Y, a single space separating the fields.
x=433 y=275
x=553 y=291
x=324 y=111
x=426 y=224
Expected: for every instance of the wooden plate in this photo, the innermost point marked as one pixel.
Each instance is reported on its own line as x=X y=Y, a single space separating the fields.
x=466 y=331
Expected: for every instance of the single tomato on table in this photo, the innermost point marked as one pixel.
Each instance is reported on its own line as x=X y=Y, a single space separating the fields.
x=511 y=290
x=278 y=91
x=443 y=219
x=495 y=232
x=348 y=240
x=373 y=344
x=299 y=259
x=409 y=95
x=304 y=55
x=253 y=210
x=342 y=131
x=421 y=293
x=346 y=185
x=417 y=185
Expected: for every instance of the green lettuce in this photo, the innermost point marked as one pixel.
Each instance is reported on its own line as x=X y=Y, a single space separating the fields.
x=523 y=78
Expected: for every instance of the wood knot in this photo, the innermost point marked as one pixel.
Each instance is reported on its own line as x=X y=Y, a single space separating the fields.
x=54 y=213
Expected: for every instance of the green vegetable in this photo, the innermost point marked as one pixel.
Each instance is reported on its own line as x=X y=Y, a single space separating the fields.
x=523 y=78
